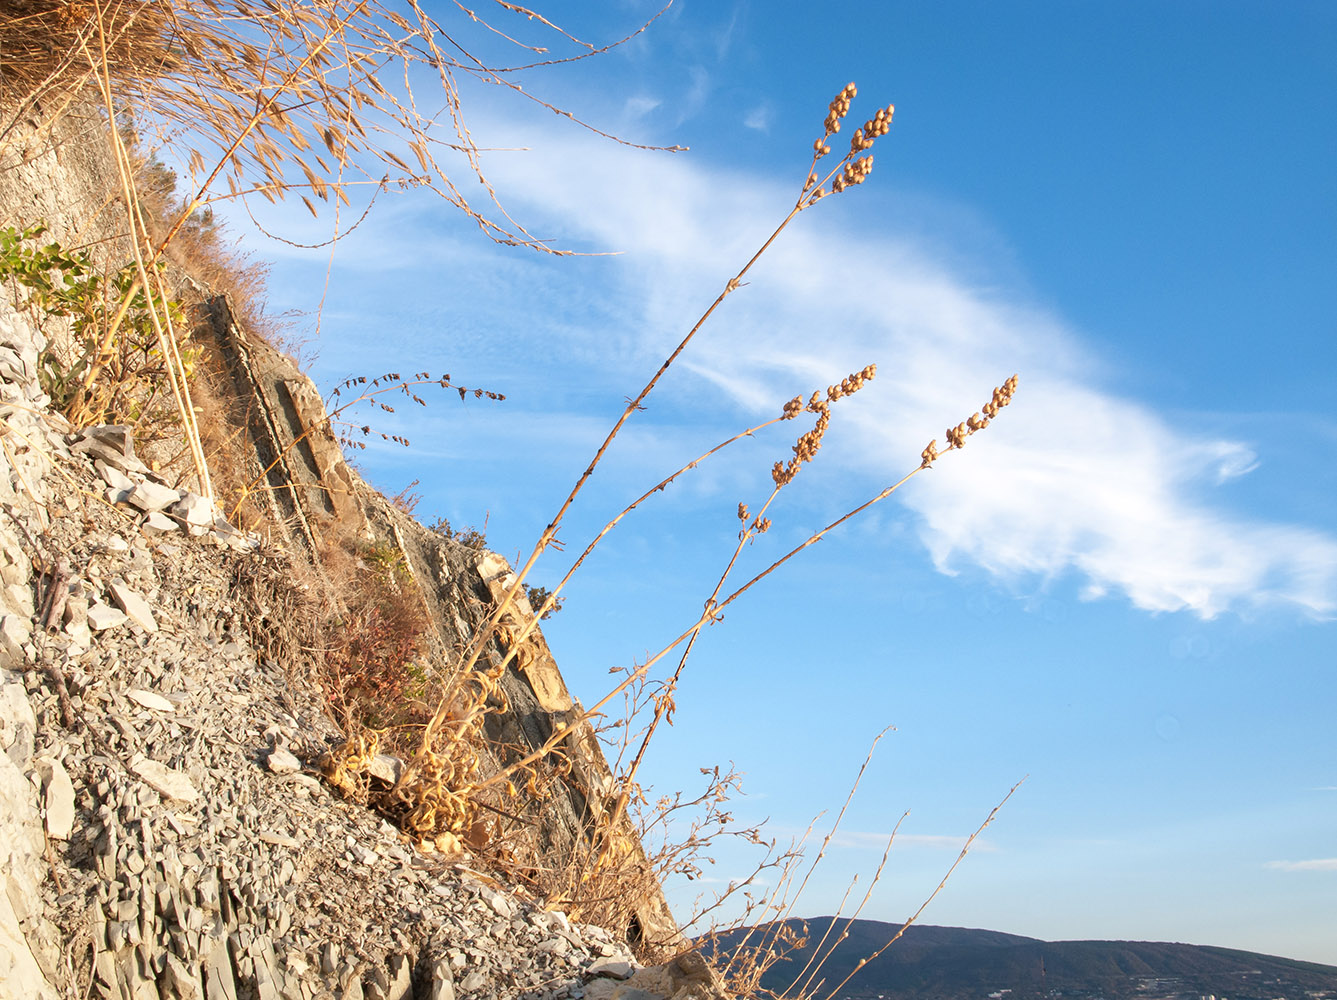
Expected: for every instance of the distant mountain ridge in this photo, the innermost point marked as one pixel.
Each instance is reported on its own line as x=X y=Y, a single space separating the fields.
x=956 y=963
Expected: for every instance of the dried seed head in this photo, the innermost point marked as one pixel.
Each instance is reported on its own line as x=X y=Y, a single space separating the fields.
x=839 y=108
x=850 y=384
x=956 y=436
x=793 y=408
x=929 y=455
x=742 y=512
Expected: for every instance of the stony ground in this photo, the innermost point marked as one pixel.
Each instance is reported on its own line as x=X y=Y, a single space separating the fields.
x=193 y=851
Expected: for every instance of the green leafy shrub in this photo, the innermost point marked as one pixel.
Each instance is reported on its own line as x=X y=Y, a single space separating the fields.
x=67 y=284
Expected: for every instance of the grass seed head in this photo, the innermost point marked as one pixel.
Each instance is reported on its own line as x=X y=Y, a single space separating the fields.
x=956 y=436
x=839 y=108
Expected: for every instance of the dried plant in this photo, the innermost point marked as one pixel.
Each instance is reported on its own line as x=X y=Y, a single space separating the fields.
x=351 y=434
x=276 y=96
x=462 y=706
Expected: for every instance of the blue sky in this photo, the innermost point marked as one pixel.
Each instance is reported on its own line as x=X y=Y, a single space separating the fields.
x=1125 y=588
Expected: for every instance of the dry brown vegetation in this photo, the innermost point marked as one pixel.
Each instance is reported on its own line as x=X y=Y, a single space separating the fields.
x=318 y=100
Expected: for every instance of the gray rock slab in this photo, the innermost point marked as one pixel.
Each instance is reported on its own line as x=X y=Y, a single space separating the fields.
x=158 y=523
x=151 y=496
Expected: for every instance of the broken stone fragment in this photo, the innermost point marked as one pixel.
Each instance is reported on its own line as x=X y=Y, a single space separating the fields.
x=194 y=511
x=166 y=782
x=150 y=699
x=113 y=476
x=58 y=793
x=613 y=969
x=133 y=605
x=112 y=443
x=443 y=983
x=280 y=761
x=385 y=768
x=158 y=523
x=104 y=616
x=150 y=496
x=14 y=632
x=401 y=979
x=18 y=724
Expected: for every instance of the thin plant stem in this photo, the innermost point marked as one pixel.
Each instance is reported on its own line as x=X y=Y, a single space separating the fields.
x=924 y=905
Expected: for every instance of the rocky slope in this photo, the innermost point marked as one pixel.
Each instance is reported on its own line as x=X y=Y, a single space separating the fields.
x=162 y=829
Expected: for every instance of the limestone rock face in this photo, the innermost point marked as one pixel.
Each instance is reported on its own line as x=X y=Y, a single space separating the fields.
x=21 y=848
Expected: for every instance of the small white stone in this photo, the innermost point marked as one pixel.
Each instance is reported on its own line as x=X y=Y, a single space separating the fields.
x=194 y=510
x=134 y=606
x=149 y=496
x=104 y=616
x=114 y=477
x=15 y=630
x=150 y=699
x=59 y=798
x=115 y=543
x=166 y=782
x=280 y=761
x=158 y=523
x=612 y=969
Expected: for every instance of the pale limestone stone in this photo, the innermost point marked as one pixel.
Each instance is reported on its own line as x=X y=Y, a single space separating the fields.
x=134 y=606
x=104 y=616
x=158 y=523
x=194 y=510
x=114 y=477
x=166 y=782
x=18 y=724
x=280 y=761
x=150 y=699
x=20 y=975
x=58 y=793
x=151 y=496
x=14 y=632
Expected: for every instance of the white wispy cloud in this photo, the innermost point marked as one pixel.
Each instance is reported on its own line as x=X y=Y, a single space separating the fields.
x=1313 y=865
x=758 y=118
x=1078 y=479
x=640 y=106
